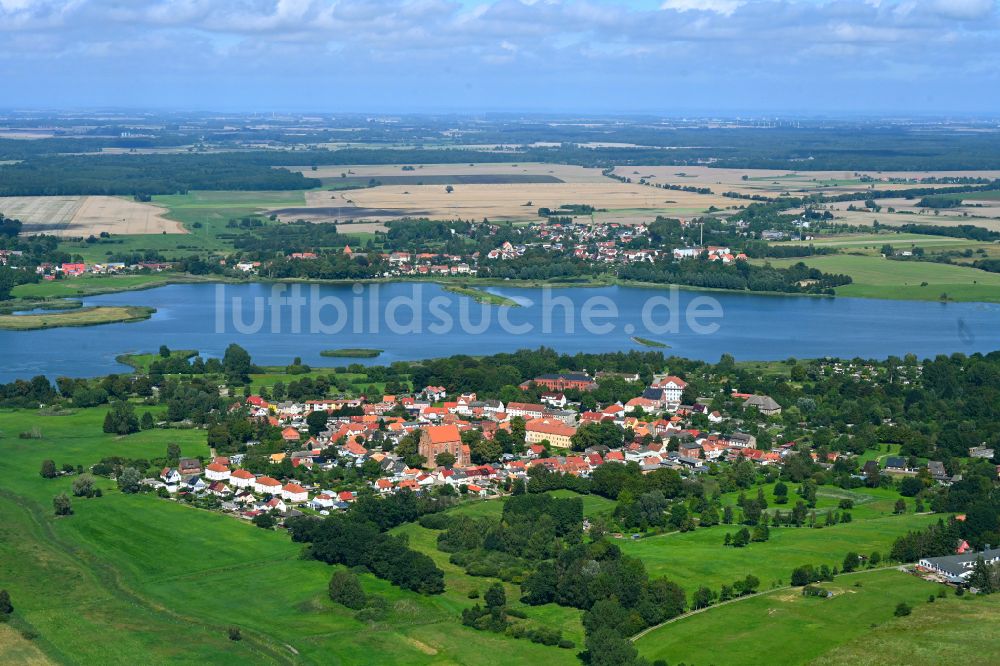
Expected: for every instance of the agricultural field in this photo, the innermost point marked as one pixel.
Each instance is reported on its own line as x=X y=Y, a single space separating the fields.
x=623 y=202
x=873 y=242
x=792 y=629
x=875 y=277
x=981 y=213
x=81 y=216
x=772 y=182
x=496 y=173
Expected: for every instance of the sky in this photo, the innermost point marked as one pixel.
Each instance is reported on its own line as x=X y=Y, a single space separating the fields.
x=667 y=57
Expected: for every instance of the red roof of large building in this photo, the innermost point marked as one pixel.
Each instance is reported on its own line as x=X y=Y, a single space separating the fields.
x=550 y=427
x=443 y=434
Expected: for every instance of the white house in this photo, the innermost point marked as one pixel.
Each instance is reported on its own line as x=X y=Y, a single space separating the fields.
x=265 y=484
x=217 y=472
x=170 y=476
x=671 y=386
x=293 y=492
x=241 y=479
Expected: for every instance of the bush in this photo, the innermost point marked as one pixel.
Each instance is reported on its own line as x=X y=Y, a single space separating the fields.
x=435 y=521
x=234 y=634
x=61 y=505
x=264 y=521
x=345 y=589
x=83 y=486
x=48 y=469
x=902 y=609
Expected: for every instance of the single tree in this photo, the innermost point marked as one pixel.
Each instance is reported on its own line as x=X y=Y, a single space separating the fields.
x=62 y=505
x=264 y=521
x=495 y=596
x=345 y=589
x=83 y=486
x=129 y=480
x=6 y=608
x=48 y=469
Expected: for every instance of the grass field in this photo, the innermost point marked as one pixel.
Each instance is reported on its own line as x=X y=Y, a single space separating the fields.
x=351 y=353
x=699 y=558
x=962 y=630
x=94 y=316
x=875 y=277
x=480 y=295
x=900 y=241
x=141 y=362
x=783 y=627
x=92 y=285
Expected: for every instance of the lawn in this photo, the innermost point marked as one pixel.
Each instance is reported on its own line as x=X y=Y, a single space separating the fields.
x=791 y=629
x=699 y=558
x=875 y=277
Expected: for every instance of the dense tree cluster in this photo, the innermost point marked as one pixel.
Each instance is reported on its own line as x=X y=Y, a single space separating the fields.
x=358 y=538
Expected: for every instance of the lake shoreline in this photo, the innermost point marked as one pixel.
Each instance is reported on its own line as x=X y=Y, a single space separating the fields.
x=466 y=285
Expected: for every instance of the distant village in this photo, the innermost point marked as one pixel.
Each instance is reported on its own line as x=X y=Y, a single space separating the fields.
x=599 y=243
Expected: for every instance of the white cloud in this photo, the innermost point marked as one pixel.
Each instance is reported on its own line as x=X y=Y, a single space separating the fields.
x=724 y=7
x=966 y=10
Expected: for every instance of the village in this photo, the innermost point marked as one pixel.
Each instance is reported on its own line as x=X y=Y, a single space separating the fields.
x=658 y=434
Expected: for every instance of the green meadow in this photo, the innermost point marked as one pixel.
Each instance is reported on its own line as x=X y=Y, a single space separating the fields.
x=875 y=277
x=783 y=627
x=698 y=557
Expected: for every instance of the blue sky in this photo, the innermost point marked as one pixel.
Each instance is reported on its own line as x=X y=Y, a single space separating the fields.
x=671 y=57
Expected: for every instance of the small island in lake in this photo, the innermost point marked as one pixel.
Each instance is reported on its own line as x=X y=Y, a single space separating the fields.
x=646 y=342
x=351 y=353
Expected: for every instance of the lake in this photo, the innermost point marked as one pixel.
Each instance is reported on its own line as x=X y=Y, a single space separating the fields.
x=413 y=321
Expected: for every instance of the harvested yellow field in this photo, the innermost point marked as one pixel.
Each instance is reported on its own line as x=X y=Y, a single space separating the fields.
x=771 y=182
x=626 y=203
x=72 y=216
x=565 y=172
x=907 y=213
